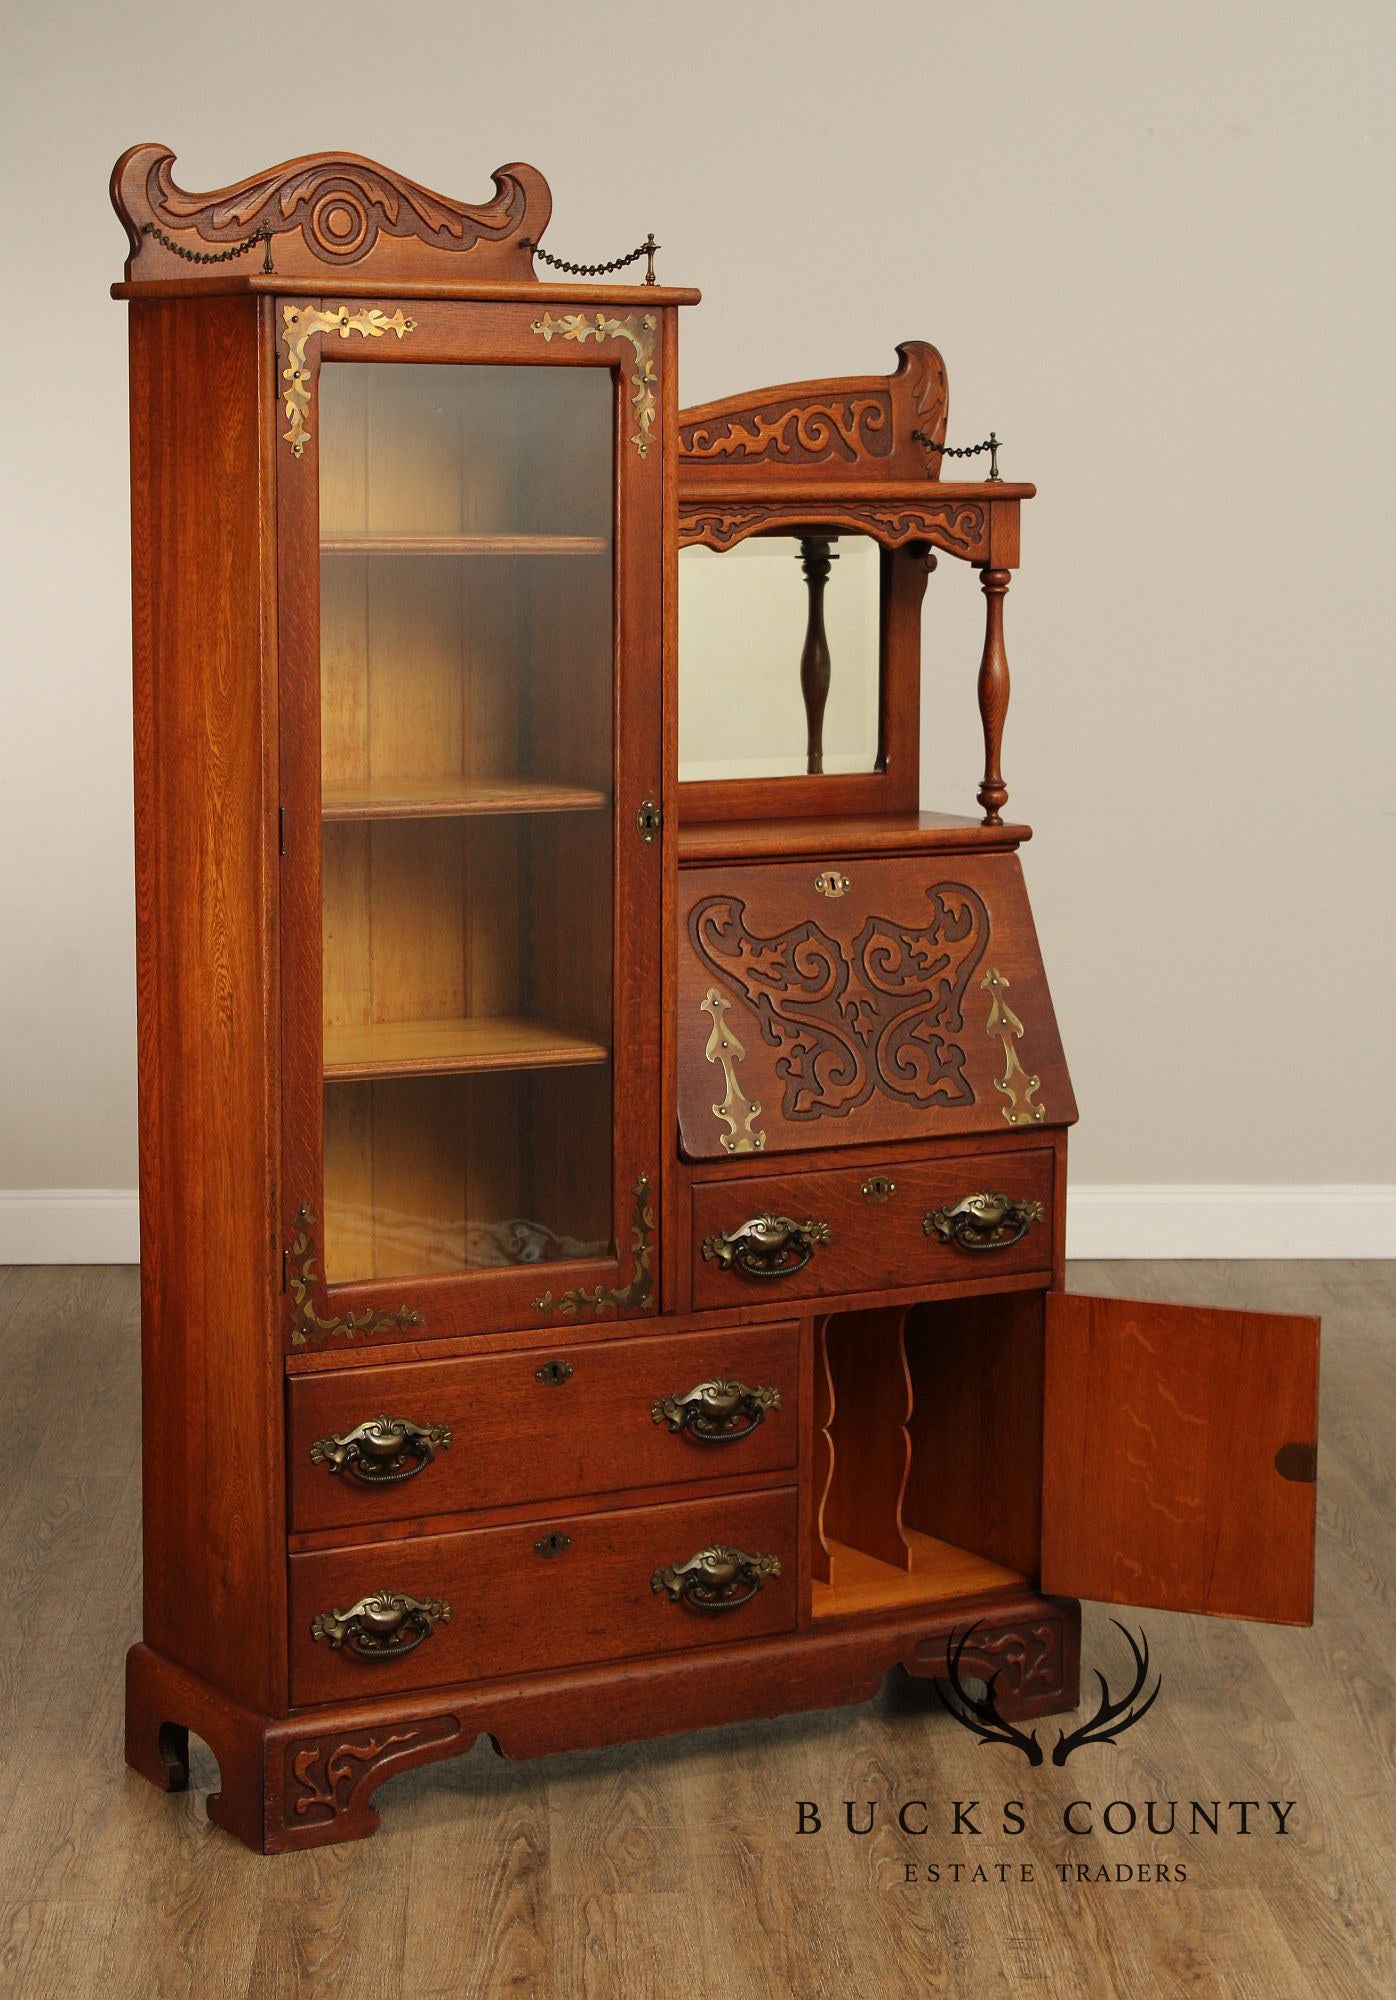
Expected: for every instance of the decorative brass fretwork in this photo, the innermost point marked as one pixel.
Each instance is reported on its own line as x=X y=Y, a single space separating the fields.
x=639 y=330
x=737 y=1112
x=301 y=324
x=1015 y=1083
x=641 y=1287
x=306 y=1323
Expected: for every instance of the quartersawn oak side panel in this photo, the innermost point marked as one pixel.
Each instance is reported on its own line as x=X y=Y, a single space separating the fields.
x=1179 y=1447
x=202 y=396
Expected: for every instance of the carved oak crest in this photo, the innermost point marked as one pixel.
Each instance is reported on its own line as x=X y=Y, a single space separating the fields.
x=327 y=212
x=883 y=1013
x=858 y=427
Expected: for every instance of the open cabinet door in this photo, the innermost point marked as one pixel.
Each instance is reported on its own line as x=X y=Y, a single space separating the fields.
x=1179 y=1447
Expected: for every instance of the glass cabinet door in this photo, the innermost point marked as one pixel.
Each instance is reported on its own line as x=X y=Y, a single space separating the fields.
x=467 y=703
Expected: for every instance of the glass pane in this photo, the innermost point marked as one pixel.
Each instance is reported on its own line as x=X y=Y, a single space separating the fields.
x=466 y=691
x=743 y=616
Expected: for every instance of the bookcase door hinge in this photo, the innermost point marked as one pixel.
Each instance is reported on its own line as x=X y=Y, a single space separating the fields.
x=281 y=829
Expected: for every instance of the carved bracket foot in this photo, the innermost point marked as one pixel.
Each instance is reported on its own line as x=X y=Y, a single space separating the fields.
x=1037 y=1659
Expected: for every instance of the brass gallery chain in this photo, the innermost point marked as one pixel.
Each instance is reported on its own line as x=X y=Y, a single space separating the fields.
x=645 y=249
x=991 y=445
x=262 y=235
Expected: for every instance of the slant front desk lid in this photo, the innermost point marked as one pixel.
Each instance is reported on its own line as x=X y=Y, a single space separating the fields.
x=860 y=1002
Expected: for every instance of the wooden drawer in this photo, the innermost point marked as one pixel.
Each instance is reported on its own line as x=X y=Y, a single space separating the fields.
x=543 y=1425
x=515 y=1607
x=856 y=1001
x=876 y=1238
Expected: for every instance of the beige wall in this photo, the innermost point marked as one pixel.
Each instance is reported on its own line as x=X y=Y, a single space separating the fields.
x=1149 y=243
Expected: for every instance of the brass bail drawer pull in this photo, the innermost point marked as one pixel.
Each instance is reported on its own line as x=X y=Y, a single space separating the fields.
x=768 y=1246
x=984 y=1221
x=382 y=1626
x=716 y=1579
x=382 y=1451
x=718 y=1412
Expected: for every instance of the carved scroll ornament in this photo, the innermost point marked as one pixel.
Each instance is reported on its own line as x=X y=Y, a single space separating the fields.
x=882 y=1014
x=960 y=527
x=328 y=211
x=854 y=426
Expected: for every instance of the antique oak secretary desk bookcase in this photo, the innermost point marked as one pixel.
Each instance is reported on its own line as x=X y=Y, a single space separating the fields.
x=602 y=1236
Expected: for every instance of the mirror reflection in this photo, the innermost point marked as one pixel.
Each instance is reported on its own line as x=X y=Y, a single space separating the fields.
x=778 y=657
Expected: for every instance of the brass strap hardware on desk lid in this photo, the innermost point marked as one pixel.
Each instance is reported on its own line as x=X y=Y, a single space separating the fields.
x=984 y=1221
x=717 y=1412
x=736 y=1111
x=768 y=1246
x=639 y=329
x=383 y=1451
x=715 y=1579
x=304 y=1278
x=627 y=1298
x=382 y=1626
x=1015 y=1084
x=300 y=325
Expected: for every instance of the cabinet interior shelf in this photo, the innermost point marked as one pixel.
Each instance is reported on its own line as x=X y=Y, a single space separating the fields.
x=940 y=1572
x=453 y=1047
x=465 y=545
x=450 y=798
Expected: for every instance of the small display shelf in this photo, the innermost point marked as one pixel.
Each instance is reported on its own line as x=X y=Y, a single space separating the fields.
x=465 y=545
x=452 y=1047
x=452 y=797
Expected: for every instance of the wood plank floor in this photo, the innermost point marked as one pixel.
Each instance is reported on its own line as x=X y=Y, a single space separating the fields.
x=674 y=1868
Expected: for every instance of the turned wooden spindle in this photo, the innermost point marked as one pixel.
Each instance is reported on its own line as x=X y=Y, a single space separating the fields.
x=993 y=694
x=815 y=560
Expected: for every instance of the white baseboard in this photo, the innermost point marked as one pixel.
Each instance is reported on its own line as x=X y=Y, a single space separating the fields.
x=99 y=1225
x=1232 y=1220
x=69 y=1226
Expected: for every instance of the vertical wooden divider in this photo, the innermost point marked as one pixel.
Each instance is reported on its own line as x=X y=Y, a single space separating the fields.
x=869 y=1404
x=822 y=1457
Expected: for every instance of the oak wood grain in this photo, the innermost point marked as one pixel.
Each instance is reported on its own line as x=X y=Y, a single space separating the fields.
x=202 y=404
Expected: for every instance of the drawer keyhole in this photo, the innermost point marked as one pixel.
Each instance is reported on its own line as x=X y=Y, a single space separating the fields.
x=553 y=1372
x=553 y=1544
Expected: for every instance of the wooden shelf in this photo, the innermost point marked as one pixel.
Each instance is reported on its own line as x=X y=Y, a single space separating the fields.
x=453 y=1047
x=450 y=798
x=466 y=545
x=841 y=833
x=939 y=1573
